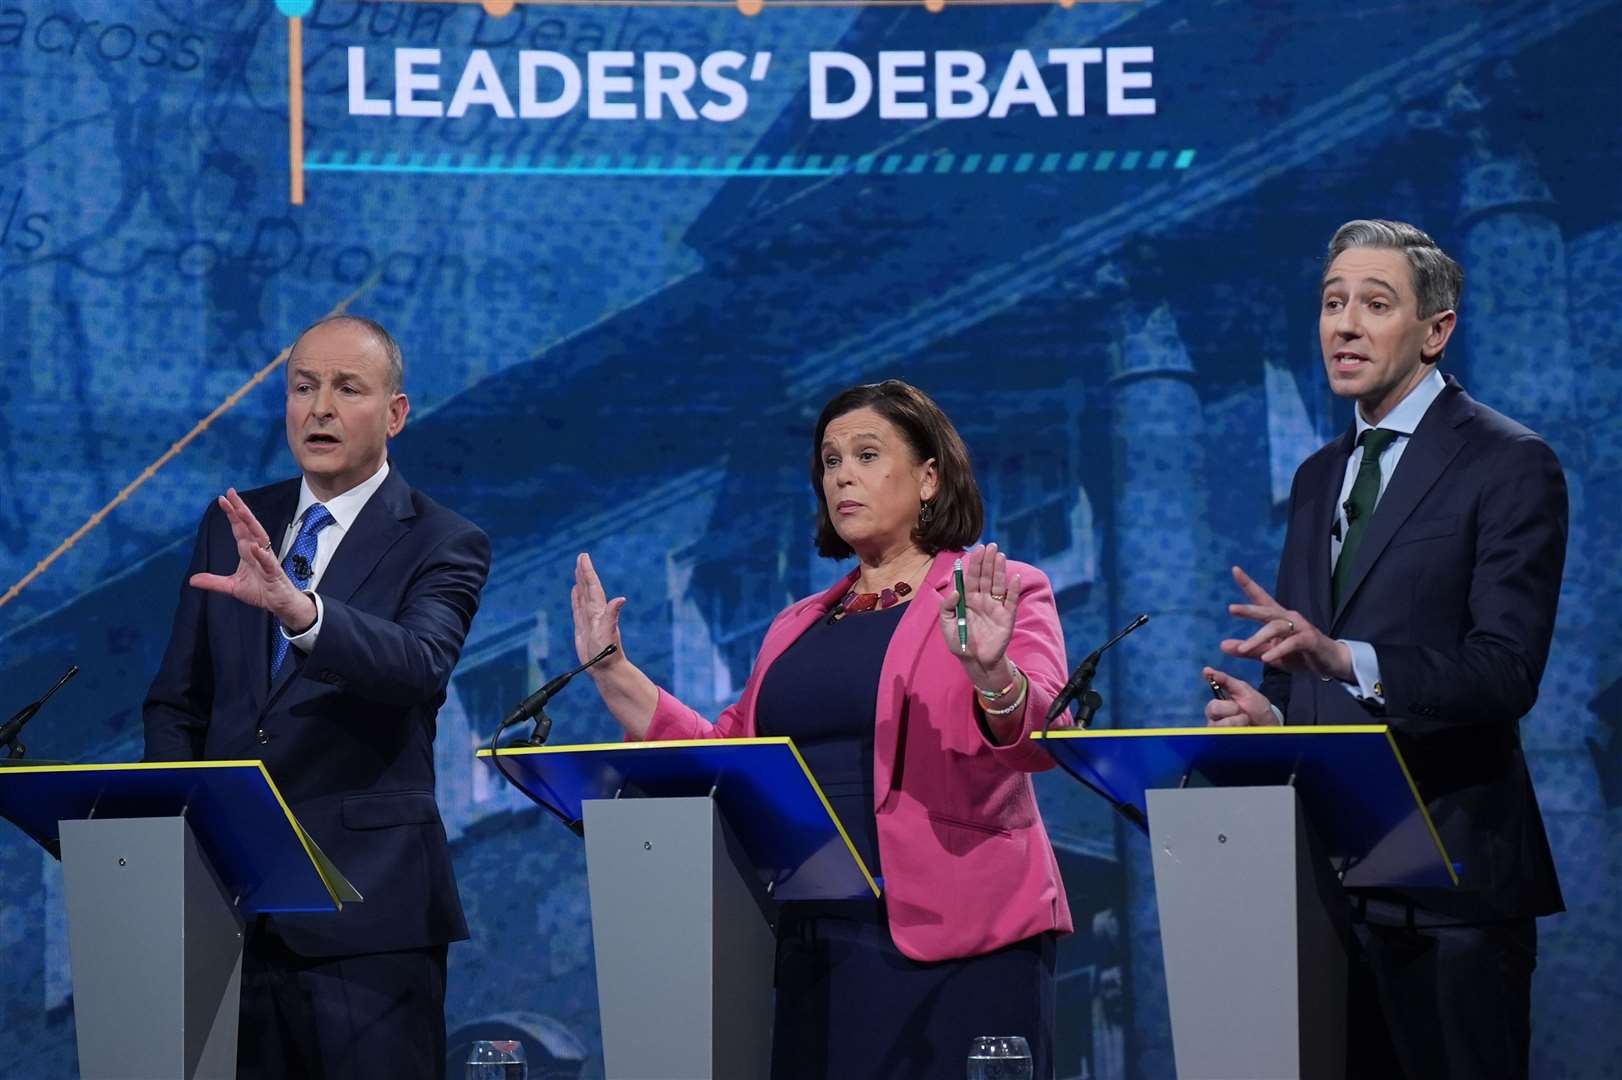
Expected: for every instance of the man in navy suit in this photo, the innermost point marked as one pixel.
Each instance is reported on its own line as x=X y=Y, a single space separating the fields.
x=322 y=642
x=1417 y=588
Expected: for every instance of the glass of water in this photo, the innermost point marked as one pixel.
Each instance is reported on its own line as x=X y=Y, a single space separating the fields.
x=496 y=1059
x=999 y=1057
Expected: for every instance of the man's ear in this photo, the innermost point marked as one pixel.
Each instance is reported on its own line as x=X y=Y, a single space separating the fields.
x=399 y=409
x=1437 y=333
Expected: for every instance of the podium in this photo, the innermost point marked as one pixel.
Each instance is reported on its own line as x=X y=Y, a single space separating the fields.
x=1255 y=833
x=689 y=847
x=162 y=863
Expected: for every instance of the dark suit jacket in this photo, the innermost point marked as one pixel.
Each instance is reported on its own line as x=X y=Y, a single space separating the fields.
x=347 y=731
x=1455 y=586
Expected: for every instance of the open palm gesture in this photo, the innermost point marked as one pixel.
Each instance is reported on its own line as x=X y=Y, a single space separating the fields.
x=259 y=580
x=596 y=617
x=991 y=600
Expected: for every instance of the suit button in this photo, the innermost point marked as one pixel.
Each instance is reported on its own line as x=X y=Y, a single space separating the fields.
x=262 y=735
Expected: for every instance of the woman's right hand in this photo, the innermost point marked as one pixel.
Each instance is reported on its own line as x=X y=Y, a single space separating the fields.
x=596 y=618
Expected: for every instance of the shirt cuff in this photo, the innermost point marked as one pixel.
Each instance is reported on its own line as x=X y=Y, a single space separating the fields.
x=1366 y=672
x=305 y=642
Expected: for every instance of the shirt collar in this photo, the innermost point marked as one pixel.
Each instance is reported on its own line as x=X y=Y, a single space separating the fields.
x=344 y=508
x=1410 y=410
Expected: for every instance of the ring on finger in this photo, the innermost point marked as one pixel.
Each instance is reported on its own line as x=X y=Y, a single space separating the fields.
x=1001 y=598
x=1291 y=624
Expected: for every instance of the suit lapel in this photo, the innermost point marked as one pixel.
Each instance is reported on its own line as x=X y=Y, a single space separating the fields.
x=381 y=523
x=1322 y=518
x=907 y=645
x=1431 y=449
x=275 y=514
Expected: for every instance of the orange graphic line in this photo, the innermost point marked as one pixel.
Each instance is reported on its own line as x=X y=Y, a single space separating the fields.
x=499 y=8
x=295 y=108
x=168 y=455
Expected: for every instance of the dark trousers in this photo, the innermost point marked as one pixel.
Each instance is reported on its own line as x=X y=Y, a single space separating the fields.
x=1441 y=1002
x=380 y=1015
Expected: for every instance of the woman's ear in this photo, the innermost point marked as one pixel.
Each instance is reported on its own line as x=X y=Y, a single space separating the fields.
x=928 y=480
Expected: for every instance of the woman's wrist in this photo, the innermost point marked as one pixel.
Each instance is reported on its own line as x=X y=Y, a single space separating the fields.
x=1007 y=704
x=999 y=680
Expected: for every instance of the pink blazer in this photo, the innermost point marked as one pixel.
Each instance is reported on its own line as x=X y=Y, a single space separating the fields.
x=967 y=865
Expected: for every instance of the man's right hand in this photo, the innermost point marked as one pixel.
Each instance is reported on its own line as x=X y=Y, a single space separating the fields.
x=259 y=580
x=1245 y=707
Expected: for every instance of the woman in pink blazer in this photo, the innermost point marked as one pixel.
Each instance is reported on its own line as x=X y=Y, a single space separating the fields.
x=920 y=743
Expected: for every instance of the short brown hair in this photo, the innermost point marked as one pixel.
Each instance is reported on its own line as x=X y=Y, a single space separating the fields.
x=384 y=339
x=958 y=515
x=1438 y=279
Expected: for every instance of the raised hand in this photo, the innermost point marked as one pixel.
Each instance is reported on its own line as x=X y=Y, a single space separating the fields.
x=259 y=579
x=991 y=599
x=1286 y=639
x=596 y=618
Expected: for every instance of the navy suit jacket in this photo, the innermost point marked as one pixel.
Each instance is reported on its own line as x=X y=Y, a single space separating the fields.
x=1456 y=584
x=347 y=731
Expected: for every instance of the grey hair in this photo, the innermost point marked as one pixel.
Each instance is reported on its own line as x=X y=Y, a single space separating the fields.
x=1438 y=279
x=384 y=339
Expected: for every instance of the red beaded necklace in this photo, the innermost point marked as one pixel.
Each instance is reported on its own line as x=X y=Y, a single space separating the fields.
x=855 y=603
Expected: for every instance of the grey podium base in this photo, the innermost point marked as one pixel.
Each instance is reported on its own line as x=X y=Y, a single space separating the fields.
x=156 y=949
x=684 y=947
x=1253 y=926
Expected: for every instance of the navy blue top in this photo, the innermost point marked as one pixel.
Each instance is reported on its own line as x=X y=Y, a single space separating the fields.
x=823 y=693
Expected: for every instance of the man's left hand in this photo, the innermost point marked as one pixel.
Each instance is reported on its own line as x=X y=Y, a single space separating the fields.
x=259 y=579
x=1286 y=639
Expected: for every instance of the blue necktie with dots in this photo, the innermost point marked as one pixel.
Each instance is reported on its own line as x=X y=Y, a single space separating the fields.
x=300 y=567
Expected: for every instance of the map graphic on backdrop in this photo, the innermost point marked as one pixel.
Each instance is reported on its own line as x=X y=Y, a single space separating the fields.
x=619 y=321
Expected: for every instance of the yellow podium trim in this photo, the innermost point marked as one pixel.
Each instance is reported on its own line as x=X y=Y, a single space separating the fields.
x=781 y=740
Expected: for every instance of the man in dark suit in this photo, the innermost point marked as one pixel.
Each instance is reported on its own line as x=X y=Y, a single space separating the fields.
x=322 y=642
x=1417 y=588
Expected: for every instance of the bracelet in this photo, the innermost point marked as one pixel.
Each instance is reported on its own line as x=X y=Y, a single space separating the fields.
x=1025 y=685
x=993 y=695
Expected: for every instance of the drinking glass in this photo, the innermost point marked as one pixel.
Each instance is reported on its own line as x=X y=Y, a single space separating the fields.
x=999 y=1057
x=496 y=1059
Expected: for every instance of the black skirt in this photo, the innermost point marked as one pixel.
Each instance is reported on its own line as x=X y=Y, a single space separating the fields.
x=851 y=1006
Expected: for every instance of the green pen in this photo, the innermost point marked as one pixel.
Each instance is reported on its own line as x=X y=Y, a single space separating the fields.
x=962 y=606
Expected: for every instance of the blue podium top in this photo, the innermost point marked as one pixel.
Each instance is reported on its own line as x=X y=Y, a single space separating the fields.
x=247 y=833
x=762 y=787
x=1351 y=781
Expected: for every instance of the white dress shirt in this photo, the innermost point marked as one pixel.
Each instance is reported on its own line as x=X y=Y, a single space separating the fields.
x=1403 y=420
x=344 y=509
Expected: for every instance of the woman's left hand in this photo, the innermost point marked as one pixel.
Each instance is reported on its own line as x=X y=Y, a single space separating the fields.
x=991 y=599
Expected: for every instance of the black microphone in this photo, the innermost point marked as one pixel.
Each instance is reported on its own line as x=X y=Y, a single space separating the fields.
x=1081 y=685
x=532 y=705
x=1351 y=510
x=14 y=727
x=1081 y=681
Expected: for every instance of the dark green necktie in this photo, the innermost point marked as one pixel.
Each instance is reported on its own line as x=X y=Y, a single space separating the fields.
x=1360 y=505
